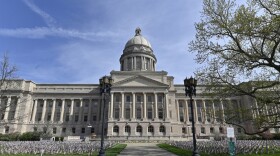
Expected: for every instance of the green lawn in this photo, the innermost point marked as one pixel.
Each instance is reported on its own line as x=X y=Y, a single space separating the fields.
x=114 y=151
x=182 y=152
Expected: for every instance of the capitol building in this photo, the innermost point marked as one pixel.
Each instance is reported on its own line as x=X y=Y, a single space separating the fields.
x=144 y=104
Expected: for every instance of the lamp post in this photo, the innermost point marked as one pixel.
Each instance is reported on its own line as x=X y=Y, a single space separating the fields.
x=105 y=84
x=190 y=89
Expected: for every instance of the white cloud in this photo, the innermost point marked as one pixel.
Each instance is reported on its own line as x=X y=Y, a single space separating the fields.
x=50 y=21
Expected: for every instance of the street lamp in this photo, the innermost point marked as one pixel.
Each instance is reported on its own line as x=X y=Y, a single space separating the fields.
x=105 y=84
x=190 y=89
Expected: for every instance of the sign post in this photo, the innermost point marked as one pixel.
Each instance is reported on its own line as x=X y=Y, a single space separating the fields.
x=231 y=143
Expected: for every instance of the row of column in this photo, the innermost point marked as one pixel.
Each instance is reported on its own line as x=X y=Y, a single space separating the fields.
x=111 y=110
x=203 y=114
x=9 y=106
x=62 y=110
x=145 y=63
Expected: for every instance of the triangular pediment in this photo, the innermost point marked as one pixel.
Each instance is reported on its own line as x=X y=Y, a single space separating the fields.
x=139 y=81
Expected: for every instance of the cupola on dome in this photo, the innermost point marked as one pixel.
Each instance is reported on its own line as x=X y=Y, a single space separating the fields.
x=138 y=39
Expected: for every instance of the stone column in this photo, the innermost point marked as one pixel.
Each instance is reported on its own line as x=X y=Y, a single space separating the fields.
x=222 y=111
x=8 y=107
x=156 y=107
x=17 y=107
x=53 y=110
x=71 y=110
x=204 y=114
x=81 y=111
x=122 y=107
x=34 y=110
x=44 y=110
x=178 y=110
x=187 y=111
x=133 y=106
x=112 y=106
x=145 y=107
x=195 y=111
x=214 y=112
x=62 y=110
x=166 y=107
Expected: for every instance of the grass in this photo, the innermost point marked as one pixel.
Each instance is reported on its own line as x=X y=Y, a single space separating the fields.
x=113 y=151
x=182 y=152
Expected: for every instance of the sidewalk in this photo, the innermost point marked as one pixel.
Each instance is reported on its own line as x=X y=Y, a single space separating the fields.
x=144 y=149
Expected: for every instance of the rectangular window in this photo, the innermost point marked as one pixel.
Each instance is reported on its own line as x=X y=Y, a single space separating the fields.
x=77 y=103
x=63 y=130
x=202 y=130
x=57 y=116
x=150 y=113
x=211 y=130
x=127 y=113
x=128 y=98
x=139 y=113
x=92 y=130
x=49 y=117
x=73 y=130
x=83 y=130
x=160 y=113
x=184 y=130
x=94 y=118
x=54 y=130
x=117 y=98
x=160 y=98
x=149 y=98
x=59 y=103
x=76 y=118
x=138 y=98
x=67 y=117
x=85 y=118
x=117 y=112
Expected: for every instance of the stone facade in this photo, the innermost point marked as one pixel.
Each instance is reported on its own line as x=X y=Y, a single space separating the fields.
x=144 y=104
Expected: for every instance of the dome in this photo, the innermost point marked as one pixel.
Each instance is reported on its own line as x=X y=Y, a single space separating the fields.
x=138 y=39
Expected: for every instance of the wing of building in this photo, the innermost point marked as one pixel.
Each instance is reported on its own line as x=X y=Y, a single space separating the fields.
x=143 y=104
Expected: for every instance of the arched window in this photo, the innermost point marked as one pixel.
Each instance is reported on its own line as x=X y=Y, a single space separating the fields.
x=162 y=129
x=127 y=129
x=151 y=129
x=116 y=129
x=139 y=129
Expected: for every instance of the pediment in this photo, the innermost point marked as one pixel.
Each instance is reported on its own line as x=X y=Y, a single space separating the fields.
x=139 y=81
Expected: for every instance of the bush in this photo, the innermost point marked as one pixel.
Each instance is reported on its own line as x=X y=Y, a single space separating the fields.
x=30 y=136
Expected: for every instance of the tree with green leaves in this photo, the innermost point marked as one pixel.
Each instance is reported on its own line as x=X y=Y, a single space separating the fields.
x=238 y=46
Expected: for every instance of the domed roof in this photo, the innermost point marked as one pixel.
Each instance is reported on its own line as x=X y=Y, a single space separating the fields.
x=138 y=39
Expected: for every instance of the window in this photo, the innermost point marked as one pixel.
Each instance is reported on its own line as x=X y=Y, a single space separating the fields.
x=160 y=113
x=59 y=103
x=117 y=112
x=149 y=98
x=139 y=129
x=116 y=129
x=50 y=104
x=117 y=98
x=184 y=130
x=160 y=98
x=85 y=118
x=202 y=129
x=127 y=129
x=211 y=130
x=221 y=130
x=127 y=113
x=76 y=118
x=138 y=113
x=86 y=103
x=94 y=118
x=7 y=128
x=54 y=130
x=49 y=117
x=150 y=113
x=45 y=129
x=92 y=130
x=73 y=130
x=138 y=98
x=63 y=130
x=128 y=98
x=68 y=103
x=77 y=103
x=162 y=129
x=67 y=117
x=151 y=129
x=83 y=130
x=57 y=116
x=39 y=116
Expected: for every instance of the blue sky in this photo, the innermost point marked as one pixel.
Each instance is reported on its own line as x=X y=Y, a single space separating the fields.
x=79 y=41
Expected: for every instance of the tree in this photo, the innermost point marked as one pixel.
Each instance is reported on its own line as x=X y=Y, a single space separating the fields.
x=10 y=86
x=239 y=48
